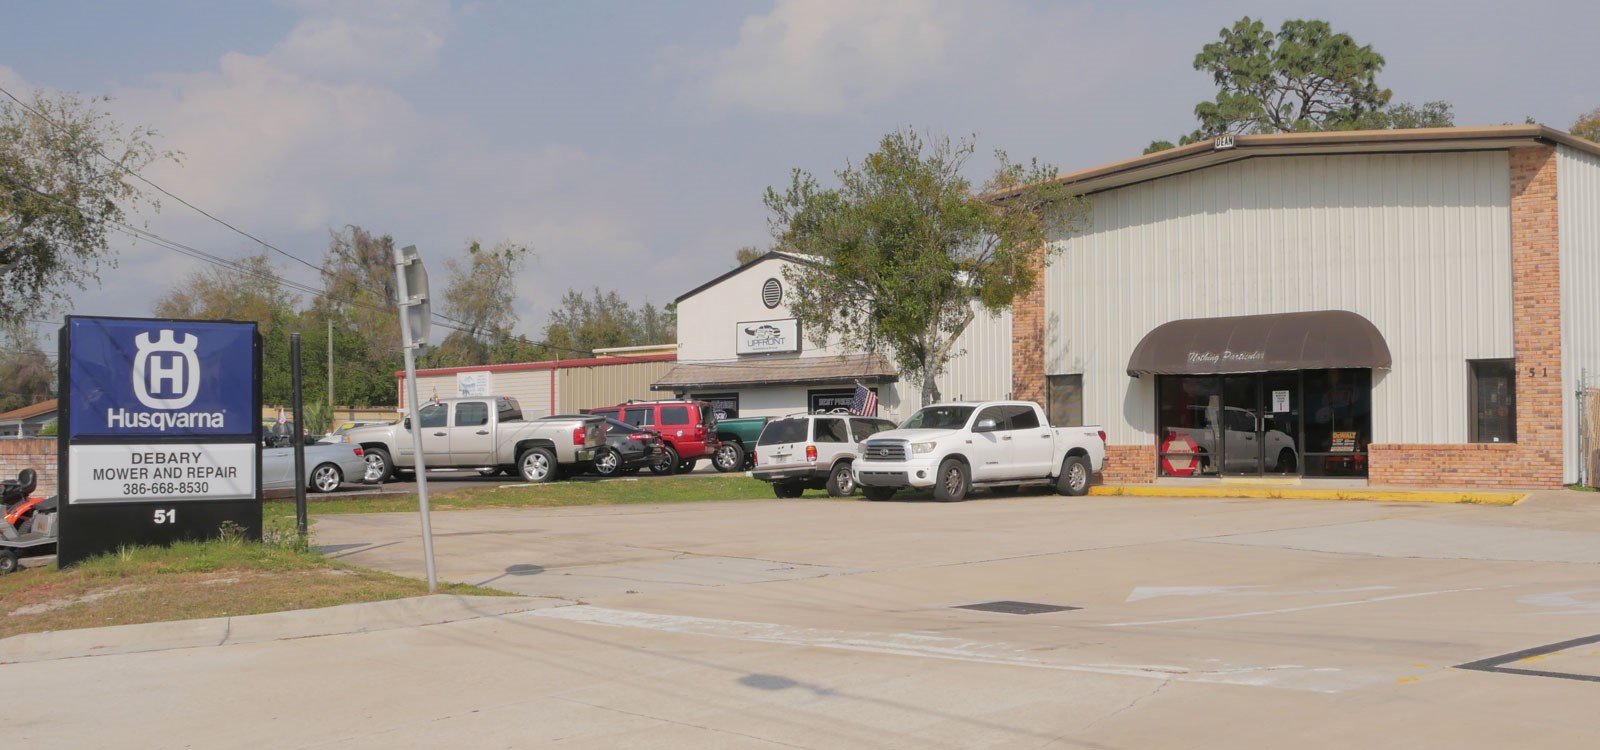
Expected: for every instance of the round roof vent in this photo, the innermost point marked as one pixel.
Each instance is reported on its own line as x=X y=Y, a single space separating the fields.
x=771 y=293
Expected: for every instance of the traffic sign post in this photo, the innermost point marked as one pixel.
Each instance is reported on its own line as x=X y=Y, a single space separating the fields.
x=414 y=327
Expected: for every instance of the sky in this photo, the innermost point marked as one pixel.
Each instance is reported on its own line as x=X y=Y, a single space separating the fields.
x=629 y=144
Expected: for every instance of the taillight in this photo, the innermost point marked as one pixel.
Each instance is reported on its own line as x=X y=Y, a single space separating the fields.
x=1102 y=437
x=811 y=453
x=578 y=434
x=640 y=437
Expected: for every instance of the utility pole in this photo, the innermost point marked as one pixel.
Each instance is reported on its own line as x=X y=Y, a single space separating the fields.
x=331 y=415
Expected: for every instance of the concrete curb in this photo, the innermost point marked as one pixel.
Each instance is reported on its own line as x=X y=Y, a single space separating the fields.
x=1294 y=493
x=276 y=626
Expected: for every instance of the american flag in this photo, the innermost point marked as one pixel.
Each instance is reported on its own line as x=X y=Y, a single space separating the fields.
x=865 y=404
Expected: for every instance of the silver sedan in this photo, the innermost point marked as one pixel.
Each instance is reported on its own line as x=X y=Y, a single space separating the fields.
x=327 y=467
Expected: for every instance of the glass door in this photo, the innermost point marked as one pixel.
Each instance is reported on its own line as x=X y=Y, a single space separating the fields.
x=1280 y=423
x=1241 y=424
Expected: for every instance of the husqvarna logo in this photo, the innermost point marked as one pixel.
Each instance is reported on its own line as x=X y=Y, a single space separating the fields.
x=166 y=372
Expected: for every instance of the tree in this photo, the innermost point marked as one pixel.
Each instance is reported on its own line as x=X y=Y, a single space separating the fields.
x=582 y=324
x=1588 y=125
x=748 y=254
x=66 y=182
x=30 y=375
x=900 y=252
x=360 y=298
x=249 y=290
x=1305 y=77
x=478 y=302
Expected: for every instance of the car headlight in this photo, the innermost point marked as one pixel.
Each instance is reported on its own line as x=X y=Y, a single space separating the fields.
x=921 y=448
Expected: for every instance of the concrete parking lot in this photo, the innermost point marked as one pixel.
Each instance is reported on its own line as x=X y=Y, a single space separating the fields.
x=823 y=624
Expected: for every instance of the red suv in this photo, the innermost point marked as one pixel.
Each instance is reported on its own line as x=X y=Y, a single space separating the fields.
x=688 y=430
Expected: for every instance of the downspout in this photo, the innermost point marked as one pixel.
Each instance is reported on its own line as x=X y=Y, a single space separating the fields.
x=553 y=385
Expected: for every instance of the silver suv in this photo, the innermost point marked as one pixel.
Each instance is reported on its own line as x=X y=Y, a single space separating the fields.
x=813 y=451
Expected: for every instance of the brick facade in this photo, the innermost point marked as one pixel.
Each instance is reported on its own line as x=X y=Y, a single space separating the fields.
x=1129 y=464
x=1535 y=460
x=38 y=454
x=1027 y=340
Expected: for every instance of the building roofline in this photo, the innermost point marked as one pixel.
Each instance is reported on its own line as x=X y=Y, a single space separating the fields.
x=555 y=364
x=770 y=255
x=1216 y=151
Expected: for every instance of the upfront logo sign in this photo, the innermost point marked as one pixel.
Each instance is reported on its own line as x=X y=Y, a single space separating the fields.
x=166 y=376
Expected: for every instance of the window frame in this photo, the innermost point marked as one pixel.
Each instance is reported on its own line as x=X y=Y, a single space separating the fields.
x=1475 y=428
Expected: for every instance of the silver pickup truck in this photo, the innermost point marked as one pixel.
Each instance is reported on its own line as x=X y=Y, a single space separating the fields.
x=481 y=432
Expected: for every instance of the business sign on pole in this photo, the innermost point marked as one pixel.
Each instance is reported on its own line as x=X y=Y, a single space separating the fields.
x=161 y=432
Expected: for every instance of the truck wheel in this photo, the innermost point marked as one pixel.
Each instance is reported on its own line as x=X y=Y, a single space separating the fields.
x=326 y=478
x=842 y=482
x=952 y=481
x=667 y=463
x=684 y=467
x=1286 y=462
x=537 y=465
x=379 y=468
x=878 y=493
x=607 y=463
x=729 y=457
x=1074 y=478
x=8 y=561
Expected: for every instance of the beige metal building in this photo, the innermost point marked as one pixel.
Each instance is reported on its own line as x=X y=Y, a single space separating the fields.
x=1210 y=313
x=558 y=387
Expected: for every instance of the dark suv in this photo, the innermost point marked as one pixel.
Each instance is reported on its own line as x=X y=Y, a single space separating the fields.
x=688 y=430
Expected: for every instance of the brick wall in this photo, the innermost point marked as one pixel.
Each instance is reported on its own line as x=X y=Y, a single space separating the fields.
x=1027 y=340
x=38 y=454
x=1130 y=464
x=1535 y=460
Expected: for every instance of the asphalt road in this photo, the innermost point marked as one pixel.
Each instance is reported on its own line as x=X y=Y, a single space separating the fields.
x=830 y=624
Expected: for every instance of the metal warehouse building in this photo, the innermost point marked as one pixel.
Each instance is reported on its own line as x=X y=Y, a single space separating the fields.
x=1411 y=306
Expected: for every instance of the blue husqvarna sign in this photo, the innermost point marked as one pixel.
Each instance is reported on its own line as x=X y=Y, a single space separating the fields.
x=157 y=378
x=162 y=420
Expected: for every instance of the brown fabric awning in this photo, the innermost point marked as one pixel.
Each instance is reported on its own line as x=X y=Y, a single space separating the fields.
x=837 y=370
x=1324 y=339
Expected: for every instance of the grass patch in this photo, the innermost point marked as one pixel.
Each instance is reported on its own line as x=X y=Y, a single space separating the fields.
x=193 y=580
x=1583 y=488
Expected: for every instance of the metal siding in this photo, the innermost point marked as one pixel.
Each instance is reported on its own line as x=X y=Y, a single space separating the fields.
x=983 y=369
x=1578 y=209
x=593 y=387
x=1418 y=243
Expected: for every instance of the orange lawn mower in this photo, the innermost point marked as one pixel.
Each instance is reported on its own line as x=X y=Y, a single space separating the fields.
x=29 y=527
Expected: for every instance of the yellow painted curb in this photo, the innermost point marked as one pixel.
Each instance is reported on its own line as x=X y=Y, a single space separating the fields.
x=1298 y=493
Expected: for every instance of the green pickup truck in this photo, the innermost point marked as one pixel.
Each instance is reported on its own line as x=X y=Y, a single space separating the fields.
x=738 y=438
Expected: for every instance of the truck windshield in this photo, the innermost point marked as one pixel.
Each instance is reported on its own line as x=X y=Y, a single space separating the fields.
x=938 y=418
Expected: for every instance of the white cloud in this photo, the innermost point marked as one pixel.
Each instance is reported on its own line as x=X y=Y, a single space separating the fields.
x=365 y=39
x=820 y=57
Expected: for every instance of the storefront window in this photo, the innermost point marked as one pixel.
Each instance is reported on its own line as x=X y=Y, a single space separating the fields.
x=725 y=405
x=1338 y=422
x=1190 y=425
x=1494 y=401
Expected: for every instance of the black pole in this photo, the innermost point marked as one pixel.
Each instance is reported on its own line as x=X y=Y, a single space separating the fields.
x=297 y=436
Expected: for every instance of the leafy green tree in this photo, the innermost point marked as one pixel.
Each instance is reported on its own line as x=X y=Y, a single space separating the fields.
x=747 y=254
x=250 y=290
x=904 y=248
x=477 y=301
x=603 y=320
x=1587 y=125
x=30 y=376
x=1434 y=114
x=1304 y=77
x=360 y=298
x=66 y=182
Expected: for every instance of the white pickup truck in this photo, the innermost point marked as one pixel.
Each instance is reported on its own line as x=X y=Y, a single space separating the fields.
x=1001 y=445
x=485 y=432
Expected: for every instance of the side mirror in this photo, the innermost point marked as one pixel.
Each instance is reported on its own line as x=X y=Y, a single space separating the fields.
x=985 y=425
x=408 y=422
